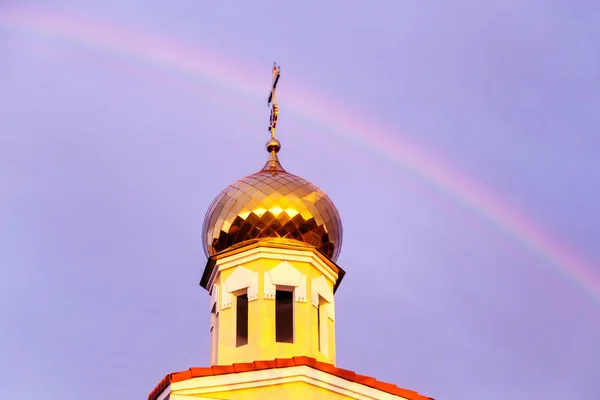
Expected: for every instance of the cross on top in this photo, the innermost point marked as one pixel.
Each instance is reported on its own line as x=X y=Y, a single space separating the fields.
x=272 y=100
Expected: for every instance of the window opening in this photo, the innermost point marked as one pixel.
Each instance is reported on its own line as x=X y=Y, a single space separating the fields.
x=241 y=314
x=284 y=316
x=323 y=326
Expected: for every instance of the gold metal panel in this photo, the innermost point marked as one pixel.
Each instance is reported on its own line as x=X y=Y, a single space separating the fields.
x=272 y=203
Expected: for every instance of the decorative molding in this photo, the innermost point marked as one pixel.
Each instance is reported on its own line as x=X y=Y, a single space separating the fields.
x=300 y=292
x=214 y=297
x=226 y=300
x=307 y=256
x=319 y=287
x=285 y=274
x=276 y=376
x=269 y=287
x=241 y=278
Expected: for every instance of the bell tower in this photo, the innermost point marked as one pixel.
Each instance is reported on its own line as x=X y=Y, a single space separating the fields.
x=271 y=239
x=271 y=300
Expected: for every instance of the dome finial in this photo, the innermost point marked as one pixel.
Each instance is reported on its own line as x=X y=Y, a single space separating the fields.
x=273 y=144
x=273 y=165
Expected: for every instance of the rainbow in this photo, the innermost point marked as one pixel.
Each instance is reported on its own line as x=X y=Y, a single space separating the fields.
x=182 y=58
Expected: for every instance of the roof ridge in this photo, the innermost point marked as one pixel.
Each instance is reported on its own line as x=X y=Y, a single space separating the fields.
x=196 y=372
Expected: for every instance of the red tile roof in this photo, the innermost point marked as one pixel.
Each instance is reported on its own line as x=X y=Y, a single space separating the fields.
x=284 y=363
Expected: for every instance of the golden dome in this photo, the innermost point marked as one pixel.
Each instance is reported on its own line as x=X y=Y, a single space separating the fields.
x=272 y=204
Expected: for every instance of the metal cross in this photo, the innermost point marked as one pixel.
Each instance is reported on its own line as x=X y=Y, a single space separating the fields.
x=272 y=102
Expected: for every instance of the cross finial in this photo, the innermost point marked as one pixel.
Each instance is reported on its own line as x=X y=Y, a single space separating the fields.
x=272 y=102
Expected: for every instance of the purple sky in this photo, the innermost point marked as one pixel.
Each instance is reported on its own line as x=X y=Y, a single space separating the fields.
x=108 y=164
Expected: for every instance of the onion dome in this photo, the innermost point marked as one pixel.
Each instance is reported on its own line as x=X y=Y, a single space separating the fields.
x=272 y=204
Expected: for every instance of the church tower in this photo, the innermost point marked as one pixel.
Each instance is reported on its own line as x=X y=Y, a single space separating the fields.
x=272 y=240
